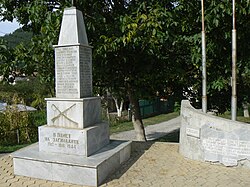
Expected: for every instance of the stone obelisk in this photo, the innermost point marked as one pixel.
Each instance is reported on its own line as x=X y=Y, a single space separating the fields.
x=74 y=145
x=74 y=112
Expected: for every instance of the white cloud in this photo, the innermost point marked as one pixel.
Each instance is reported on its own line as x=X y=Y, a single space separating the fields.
x=8 y=27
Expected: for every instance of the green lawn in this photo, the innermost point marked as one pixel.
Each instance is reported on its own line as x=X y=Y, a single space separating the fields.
x=127 y=125
x=227 y=115
x=11 y=148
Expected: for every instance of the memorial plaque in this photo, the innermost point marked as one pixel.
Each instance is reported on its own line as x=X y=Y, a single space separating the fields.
x=225 y=147
x=73 y=71
x=73 y=141
x=193 y=132
x=67 y=72
x=86 y=70
x=59 y=140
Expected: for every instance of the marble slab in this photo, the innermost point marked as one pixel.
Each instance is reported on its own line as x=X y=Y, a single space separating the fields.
x=73 y=71
x=73 y=113
x=73 y=141
x=225 y=147
x=90 y=171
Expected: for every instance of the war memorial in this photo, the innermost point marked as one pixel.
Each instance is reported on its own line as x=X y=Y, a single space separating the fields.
x=74 y=145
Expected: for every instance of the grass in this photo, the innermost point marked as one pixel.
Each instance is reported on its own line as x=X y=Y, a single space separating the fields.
x=128 y=125
x=227 y=115
x=11 y=148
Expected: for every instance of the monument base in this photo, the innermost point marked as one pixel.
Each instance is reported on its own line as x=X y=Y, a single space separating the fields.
x=90 y=171
x=83 y=142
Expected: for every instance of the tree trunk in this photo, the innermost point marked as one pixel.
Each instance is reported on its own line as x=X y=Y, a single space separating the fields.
x=118 y=108
x=245 y=110
x=136 y=117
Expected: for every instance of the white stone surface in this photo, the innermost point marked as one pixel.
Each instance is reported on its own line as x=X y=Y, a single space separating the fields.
x=219 y=140
x=73 y=71
x=73 y=29
x=91 y=171
x=73 y=113
x=73 y=141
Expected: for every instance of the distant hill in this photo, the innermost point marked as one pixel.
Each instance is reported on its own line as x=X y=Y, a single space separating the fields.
x=18 y=36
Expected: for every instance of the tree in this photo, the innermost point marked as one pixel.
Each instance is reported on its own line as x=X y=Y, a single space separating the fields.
x=137 y=57
x=5 y=57
x=218 y=23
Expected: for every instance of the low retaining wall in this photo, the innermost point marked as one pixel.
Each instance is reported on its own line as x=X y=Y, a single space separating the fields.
x=206 y=137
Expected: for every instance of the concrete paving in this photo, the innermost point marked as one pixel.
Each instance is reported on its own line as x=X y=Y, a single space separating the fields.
x=156 y=164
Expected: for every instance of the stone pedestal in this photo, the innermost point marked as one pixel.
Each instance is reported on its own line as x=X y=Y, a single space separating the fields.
x=90 y=171
x=74 y=146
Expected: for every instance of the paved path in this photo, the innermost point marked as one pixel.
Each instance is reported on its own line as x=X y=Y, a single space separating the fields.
x=152 y=131
x=152 y=164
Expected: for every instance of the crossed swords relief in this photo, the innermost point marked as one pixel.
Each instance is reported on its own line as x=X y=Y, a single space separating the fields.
x=62 y=113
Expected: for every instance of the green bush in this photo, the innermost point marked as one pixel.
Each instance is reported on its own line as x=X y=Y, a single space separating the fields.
x=20 y=127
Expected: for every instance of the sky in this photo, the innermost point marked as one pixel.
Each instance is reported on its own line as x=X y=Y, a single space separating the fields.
x=8 y=27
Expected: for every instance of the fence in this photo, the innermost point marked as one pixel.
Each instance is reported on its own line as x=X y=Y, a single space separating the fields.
x=155 y=107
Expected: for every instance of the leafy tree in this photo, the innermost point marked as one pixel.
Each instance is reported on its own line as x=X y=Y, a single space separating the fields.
x=218 y=25
x=138 y=56
x=5 y=57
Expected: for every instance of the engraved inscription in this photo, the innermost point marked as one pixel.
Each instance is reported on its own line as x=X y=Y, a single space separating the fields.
x=62 y=140
x=86 y=70
x=67 y=70
x=230 y=147
x=62 y=114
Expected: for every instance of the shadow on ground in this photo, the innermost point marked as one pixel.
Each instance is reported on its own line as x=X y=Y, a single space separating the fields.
x=170 y=137
x=139 y=148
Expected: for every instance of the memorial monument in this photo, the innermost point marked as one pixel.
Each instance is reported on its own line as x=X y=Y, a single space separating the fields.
x=210 y=138
x=74 y=146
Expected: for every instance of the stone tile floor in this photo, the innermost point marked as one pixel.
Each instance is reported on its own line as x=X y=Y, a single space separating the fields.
x=152 y=164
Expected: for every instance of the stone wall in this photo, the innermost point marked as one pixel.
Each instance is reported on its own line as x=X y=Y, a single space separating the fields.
x=210 y=138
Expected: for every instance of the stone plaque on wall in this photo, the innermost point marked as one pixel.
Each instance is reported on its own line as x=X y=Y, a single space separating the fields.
x=193 y=132
x=225 y=147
